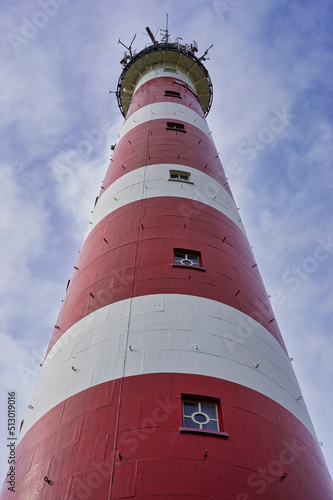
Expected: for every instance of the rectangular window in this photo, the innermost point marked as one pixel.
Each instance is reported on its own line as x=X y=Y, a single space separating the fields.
x=176 y=126
x=172 y=93
x=201 y=414
x=193 y=91
x=179 y=82
x=186 y=258
x=198 y=415
x=178 y=175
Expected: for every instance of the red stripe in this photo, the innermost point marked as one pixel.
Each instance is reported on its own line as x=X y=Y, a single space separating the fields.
x=73 y=445
x=150 y=143
x=154 y=91
x=136 y=259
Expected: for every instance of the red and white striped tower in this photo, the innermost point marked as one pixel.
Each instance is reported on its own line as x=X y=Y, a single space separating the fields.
x=166 y=375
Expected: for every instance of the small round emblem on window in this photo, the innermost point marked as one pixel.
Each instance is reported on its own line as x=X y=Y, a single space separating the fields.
x=200 y=418
x=186 y=262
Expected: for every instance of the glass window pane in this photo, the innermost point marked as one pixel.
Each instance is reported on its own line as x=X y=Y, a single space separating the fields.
x=178 y=174
x=210 y=410
x=188 y=422
x=172 y=93
x=179 y=257
x=175 y=126
x=189 y=407
x=194 y=259
x=211 y=425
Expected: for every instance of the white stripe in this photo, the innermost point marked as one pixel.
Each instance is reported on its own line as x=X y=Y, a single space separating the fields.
x=152 y=181
x=160 y=72
x=168 y=111
x=163 y=332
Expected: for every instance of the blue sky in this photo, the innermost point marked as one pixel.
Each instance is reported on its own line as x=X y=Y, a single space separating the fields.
x=271 y=118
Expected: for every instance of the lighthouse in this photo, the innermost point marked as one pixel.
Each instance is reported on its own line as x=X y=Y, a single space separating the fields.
x=166 y=375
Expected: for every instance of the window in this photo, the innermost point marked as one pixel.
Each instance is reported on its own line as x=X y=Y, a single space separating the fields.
x=193 y=91
x=178 y=175
x=202 y=414
x=187 y=259
x=172 y=93
x=176 y=126
x=197 y=415
x=179 y=82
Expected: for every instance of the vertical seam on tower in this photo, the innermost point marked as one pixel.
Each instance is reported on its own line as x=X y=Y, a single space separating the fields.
x=129 y=314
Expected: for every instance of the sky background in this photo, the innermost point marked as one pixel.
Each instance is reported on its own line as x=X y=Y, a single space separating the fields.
x=271 y=67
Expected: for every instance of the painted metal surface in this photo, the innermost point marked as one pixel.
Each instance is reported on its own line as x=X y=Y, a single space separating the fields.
x=169 y=334
x=154 y=181
x=150 y=143
x=135 y=332
x=131 y=251
x=160 y=73
x=168 y=111
x=76 y=447
x=150 y=93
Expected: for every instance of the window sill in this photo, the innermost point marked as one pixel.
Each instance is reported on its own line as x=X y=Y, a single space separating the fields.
x=198 y=268
x=181 y=180
x=176 y=129
x=223 y=435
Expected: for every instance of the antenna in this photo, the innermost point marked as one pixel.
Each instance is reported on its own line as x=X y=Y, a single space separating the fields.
x=130 y=45
x=151 y=36
x=203 y=57
x=177 y=40
x=166 y=36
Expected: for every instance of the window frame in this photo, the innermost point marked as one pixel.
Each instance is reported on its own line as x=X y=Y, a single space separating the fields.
x=193 y=91
x=187 y=253
x=172 y=93
x=200 y=411
x=195 y=398
x=189 y=257
x=178 y=127
x=180 y=173
x=179 y=82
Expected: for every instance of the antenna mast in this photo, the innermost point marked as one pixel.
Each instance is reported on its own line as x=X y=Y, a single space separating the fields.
x=166 y=36
x=130 y=45
x=151 y=36
x=203 y=57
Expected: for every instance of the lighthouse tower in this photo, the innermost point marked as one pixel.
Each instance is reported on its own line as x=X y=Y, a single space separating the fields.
x=167 y=376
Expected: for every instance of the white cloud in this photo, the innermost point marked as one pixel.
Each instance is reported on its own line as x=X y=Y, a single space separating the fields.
x=265 y=56
x=79 y=172
x=23 y=230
